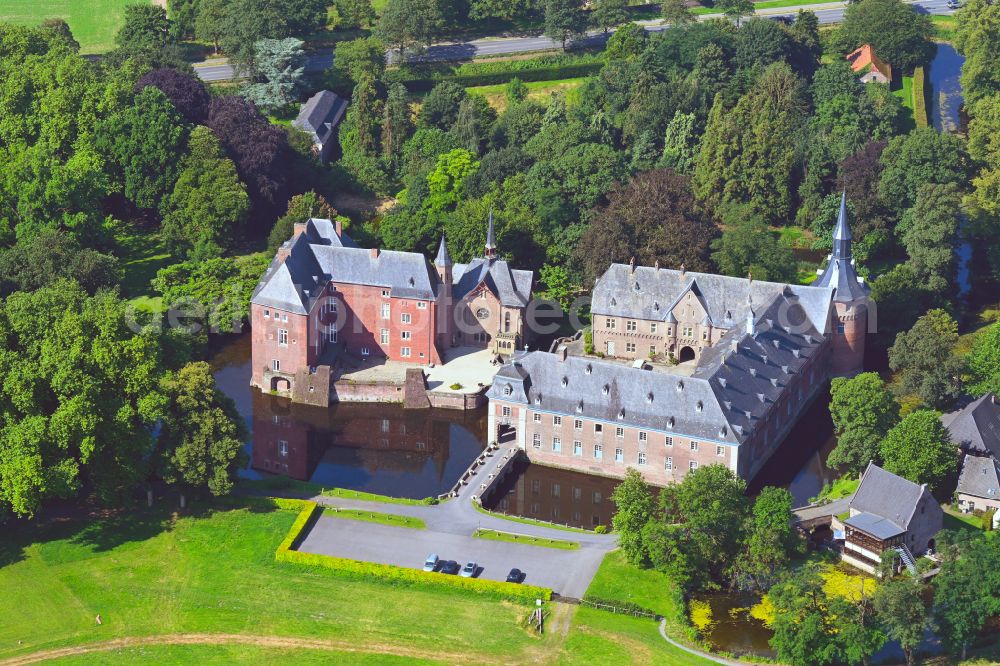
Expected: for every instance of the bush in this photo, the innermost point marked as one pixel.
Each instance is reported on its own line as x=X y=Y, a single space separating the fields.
x=625 y=607
x=306 y=514
x=353 y=569
x=456 y=387
x=601 y=529
x=588 y=342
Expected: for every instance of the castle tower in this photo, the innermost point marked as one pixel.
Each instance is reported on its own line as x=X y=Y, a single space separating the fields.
x=491 y=240
x=850 y=300
x=445 y=310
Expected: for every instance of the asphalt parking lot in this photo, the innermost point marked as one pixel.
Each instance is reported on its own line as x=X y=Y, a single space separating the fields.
x=567 y=572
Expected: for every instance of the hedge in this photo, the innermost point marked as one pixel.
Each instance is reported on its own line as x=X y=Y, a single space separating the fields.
x=919 y=97
x=418 y=78
x=624 y=607
x=309 y=510
x=392 y=574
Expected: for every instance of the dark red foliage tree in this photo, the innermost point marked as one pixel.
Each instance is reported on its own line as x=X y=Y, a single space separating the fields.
x=259 y=150
x=859 y=176
x=652 y=218
x=187 y=93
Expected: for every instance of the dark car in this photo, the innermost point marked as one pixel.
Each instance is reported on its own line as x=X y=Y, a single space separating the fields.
x=515 y=576
x=449 y=567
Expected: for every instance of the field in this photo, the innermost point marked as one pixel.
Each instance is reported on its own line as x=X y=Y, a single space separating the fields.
x=93 y=22
x=206 y=588
x=538 y=91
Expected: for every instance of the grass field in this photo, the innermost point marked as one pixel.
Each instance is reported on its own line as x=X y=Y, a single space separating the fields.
x=142 y=255
x=205 y=588
x=526 y=521
x=944 y=27
x=93 y=22
x=370 y=517
x=494 y=535
x=538 y=91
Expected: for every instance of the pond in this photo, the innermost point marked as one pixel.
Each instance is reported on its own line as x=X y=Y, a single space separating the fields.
x=945 y=88
x=376 y=448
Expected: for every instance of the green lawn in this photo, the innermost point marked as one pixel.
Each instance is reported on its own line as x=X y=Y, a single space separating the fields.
x=905 y=95
x=962 y=522
x=526 y=521
x=944 y=27
x=494 y=535
x=142 y=254
x=766 y=4
x=538 y=91
x=93 y=22
x=283 y=483
x=841 y=488
x=233 y=654
x=370 y=517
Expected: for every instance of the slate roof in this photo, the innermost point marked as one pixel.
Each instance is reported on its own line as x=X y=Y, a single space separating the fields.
x=649 y=293
x=840 y=273
x=976 y=428
x=512 y=286
x=980 y=477
x=320 y=115
x=888 y=496
x=878 y=526
x=318 y=256
x=735 y=384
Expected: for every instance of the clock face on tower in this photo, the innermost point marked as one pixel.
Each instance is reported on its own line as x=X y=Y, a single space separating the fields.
x=482 y=313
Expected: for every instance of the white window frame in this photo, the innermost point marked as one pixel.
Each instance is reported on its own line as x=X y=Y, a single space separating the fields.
x=384 y=336
x=641 y=459
x=536 y=441
x=386 y=311
x=577 y=448
x=598 y=452
x=668 y=464
x=405 y=335
x=404 y=352
x=619 y=455
x=275 y=365
x=557 y=420
x=405 y=318
x=283 y=337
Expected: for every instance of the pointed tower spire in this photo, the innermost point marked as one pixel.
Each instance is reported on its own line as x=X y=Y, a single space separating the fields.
x=842 y=232
x=491 y=240
x=443 y=258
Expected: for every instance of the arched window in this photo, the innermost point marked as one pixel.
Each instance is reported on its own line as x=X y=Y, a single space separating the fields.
x=506 y=323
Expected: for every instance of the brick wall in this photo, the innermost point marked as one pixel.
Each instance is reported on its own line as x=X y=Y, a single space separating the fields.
x=292 y=351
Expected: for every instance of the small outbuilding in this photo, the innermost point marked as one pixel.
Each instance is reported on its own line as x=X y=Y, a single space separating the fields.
x=869 y=67
x=319 y=118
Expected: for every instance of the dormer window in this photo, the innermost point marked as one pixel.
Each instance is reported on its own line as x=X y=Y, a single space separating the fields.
x=614 y=302
x=636 y=286
x=579 y=407
x=588 y=369
x=680 y=386
x=670 y=422
x=508 y=389
x=699 y=407
x=649 y=398
x=729 y=314
x=656 y=306
x=621 y=413
x=605 y=389
x=538 y=399
x=565 y=382
x=723 y=431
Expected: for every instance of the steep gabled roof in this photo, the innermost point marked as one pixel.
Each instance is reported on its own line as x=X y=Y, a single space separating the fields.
x=888 y=496
x=980 y=477
x=320 y=115
x=864 y=57
x=511 y=286
x=976 y=428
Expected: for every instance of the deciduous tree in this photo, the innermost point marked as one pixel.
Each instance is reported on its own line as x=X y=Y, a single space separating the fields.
x=901 y=612
x=919 y=449
x=747 y=246
x=564 y=19
x=634 y=506
x=186 y=93
x=899 y=35
x=924 y=357
x=863 y=412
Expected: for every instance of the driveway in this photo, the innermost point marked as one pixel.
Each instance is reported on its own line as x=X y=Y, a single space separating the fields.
x=567 y=572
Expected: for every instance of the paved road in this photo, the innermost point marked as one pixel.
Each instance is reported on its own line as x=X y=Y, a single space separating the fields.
x=567 y=572
x=826 y=13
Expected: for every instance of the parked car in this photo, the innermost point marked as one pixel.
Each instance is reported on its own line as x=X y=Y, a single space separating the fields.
x=515 y=576
x=469 y=570
x=431 y=563
x=954 y=4
x=449 y=567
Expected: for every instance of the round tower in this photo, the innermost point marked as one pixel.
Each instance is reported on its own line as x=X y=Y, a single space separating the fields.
x=850 y=300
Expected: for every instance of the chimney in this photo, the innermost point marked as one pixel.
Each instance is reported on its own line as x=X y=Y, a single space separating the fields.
x=283 y=251
x=683 y=270
x=298 y=229
x=338 y=226
x=561 y=352
x=656 y=265
x=373 y=253
x=631 y=265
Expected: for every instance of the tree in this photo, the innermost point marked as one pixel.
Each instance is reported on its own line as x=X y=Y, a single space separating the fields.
x=702 y=518
x=811 y=628
x=559 y=285
x=257 y=148
x=984 y=128
x=919 y=449
x=472 y=126
x=983 y=362
x=182 y=17
x=355 y=14
x=243 y=23
x=920 y=157
x=145 y=29
x=43 y=258
x=899 y=35
x=977 y=29
x=564 y=19
x=748 y=154
x=863 y=412
x=676 y=12
x=396 y=124
x=966 y=591
x=502 y=9
x=930 y=234
x=768 y=541
x=208 y=204
x=210 y=24
x=761 y=42
x=900 y=609
x=360 y=57
x=634 y=505
x=202 y=434
x=747 y=246
x=405 y=24
x=607 y=14
x=680 y=144
x=186 y=93
x=924 y=357
x=301 y=207
x=142 y=142
x=652 y=218
x=627 y=42
x=440 y=107
x=446 y=183
x=736 y=9
x=280 y=64
x=80 y=394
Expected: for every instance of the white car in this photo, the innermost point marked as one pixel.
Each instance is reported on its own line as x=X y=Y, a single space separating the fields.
x=469 y=570
x=431 y=563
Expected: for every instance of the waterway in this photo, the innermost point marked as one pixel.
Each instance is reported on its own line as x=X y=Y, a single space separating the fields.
x=945 y=88
x=376 y=448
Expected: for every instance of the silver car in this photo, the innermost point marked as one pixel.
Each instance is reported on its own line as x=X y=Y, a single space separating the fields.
x=469 y=570
x=431 y=563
